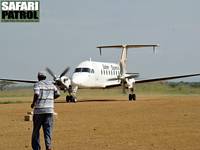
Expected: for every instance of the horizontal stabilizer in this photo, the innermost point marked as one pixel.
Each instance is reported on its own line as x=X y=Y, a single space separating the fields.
x=129 y=46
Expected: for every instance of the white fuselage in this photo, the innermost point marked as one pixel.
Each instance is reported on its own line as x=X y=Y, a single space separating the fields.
x=92 y=74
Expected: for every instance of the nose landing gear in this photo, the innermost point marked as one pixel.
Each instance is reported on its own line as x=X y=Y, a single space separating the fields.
x=70 y=98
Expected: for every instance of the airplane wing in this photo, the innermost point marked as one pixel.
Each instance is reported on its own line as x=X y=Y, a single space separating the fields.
x=135 y=75
x=165 y=78
x=23 y=81
x=128 y=76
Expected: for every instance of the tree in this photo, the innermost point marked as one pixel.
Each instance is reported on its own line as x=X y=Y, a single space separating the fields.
x=5 y=84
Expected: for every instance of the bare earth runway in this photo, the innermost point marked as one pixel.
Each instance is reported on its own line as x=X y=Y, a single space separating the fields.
x=151 y=123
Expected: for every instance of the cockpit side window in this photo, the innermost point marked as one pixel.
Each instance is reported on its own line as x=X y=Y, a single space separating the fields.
x=92 y=70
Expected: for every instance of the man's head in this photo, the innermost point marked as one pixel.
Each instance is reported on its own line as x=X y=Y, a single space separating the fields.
x=41 y=75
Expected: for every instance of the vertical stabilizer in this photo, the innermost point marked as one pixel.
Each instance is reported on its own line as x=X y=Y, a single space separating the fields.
x=123 y=60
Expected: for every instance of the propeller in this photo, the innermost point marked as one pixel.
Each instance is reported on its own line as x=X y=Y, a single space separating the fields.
x=57 y=80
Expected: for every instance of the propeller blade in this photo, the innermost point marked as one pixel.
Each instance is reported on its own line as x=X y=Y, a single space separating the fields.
x=51 y=73
x=64 y=72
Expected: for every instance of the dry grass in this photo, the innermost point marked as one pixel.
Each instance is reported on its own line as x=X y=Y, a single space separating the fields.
x=152 y=122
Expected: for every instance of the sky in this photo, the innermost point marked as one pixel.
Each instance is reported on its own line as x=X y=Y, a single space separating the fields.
x=70 y=30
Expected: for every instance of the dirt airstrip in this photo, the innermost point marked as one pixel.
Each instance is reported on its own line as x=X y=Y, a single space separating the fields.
x=151 y=123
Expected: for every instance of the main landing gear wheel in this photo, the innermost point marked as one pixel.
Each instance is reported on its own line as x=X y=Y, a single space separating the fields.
x=70 y=99
x=131 y=97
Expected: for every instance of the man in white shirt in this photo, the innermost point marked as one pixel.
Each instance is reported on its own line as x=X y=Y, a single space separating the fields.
x=43 y=103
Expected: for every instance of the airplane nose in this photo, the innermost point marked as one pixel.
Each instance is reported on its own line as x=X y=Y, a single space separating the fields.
x=75 y=80
x=79 y=80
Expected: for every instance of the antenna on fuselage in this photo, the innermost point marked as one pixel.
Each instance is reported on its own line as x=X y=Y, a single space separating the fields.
x=100 y=51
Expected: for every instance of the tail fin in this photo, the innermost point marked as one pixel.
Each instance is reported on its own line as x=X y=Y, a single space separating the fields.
x=123 y=59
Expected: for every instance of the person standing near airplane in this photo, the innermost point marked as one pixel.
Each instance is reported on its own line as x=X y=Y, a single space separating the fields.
x=43 y=103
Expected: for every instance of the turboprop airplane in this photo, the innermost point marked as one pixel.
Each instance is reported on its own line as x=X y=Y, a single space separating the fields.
x=93 y=74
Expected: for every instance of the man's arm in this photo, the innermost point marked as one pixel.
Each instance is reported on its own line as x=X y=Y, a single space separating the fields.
x=35 y=97
x=56 y=94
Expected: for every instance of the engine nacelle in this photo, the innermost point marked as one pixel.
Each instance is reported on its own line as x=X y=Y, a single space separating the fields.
x=130 y=83
x=66 y=81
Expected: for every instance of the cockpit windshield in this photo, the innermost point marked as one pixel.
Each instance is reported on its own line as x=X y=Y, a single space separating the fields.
x=84 y=70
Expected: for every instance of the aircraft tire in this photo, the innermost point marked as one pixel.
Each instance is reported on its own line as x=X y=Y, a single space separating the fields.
x=134 y=97
x=72 y=99
x=67 y=99
x=130 y=97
